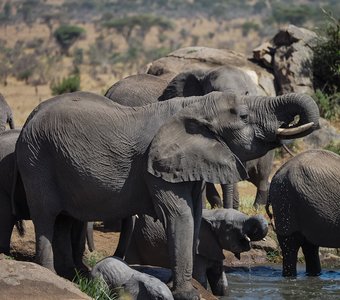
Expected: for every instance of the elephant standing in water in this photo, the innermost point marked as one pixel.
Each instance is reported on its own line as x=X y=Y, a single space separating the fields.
x=138 y=90
x=6 y=116
x=305 y=197
x=220 y=229
x=86 y=156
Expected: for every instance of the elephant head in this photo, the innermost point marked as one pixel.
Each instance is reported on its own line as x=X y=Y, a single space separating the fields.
x=209 y=143
x=6 y=115
x=201 y=82
x=230 y=230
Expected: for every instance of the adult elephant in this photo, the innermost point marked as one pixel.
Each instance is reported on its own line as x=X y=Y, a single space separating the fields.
x=6 y=116
x=221 y=229
x=10 y=217
x=305 y=197
x=137 y=90
x=93 y=159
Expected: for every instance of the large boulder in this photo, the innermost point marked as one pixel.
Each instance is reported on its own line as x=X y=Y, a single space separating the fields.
x=29 y=281
x=191 y=58
x=289 y=55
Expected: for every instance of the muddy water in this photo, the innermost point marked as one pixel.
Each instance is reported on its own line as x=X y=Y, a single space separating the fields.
x=266 y=282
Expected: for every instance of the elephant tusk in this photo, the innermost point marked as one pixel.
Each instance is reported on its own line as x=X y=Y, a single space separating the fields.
x=295 y=130
x=247 y=238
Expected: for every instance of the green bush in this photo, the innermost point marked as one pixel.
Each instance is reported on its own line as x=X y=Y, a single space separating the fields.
x=329 y=105
x=66 y=36
x=95 y=288
x=333 y=146
x=67 y=85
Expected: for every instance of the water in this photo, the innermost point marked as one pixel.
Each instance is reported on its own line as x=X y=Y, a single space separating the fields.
x=266 y=282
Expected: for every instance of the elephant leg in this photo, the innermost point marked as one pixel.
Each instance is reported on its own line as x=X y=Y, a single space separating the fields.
x=128 y=224
x=199 y=271
x=78 y=241
x=290 y=246
x=261 y=197
x=212 y=195
x=228 y=195
x=173 y=206
x=7 y=222
x=311 y=253
x=44 y=229
x=236 y=198
x=217 y=279
x=62 y=247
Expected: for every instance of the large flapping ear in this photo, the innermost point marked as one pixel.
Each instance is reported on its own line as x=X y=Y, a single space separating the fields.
x=209 y=246
x=185 y=149
x=184 y=85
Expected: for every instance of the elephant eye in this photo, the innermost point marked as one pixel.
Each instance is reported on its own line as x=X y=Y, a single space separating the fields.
x=244 y=117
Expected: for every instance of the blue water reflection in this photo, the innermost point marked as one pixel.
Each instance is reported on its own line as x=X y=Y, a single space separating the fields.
x=266 y=282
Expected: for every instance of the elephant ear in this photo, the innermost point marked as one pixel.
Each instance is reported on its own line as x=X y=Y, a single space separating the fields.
x=184 y=85
x=185 y=149
x=208 y=245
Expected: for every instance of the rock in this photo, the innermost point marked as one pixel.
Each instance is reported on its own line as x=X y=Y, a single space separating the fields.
x=322 y=137
x=268 y=244
x=29 y=281
x=291 y=57
x=191 y=58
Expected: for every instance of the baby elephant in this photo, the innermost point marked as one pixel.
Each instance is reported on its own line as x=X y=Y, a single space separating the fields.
x=220 y=229
x=305 y=197
x=116 y=273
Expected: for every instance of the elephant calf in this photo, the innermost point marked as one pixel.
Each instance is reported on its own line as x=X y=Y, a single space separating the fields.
x=220 y=229
x=305 y=197
x=116 y=273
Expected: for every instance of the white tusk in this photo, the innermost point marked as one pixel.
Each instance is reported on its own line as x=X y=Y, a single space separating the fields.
x=295 y=130
x=137 y=216
x=247 y=238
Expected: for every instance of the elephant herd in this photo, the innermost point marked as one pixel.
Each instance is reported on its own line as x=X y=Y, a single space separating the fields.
x=148 y=148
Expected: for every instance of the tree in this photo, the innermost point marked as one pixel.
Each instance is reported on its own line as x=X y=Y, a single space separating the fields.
x=67 y=35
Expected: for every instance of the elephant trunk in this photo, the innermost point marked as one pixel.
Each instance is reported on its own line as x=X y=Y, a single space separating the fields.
x=255 y=228
x=297 y=114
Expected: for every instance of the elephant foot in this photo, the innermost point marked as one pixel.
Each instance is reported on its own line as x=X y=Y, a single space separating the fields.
x=191 y=294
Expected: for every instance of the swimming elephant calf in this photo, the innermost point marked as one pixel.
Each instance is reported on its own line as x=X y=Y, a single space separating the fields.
x=220 y=229
x=116 y=273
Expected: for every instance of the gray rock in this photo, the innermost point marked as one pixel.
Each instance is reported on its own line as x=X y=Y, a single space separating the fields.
x=191 y=58
x=322 y=137
x=26 y=280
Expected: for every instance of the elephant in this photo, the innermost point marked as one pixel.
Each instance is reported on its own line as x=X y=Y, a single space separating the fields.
x=220 y=229
x=117 y=274
x=86 y=156
x=9 y=218
x=304 y=194
x=138 y=90
x=6 y=116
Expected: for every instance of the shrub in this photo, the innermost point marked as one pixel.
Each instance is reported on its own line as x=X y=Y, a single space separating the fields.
x=326 y=69
x=95 y=288
x=67 y=85
x=67 y=35
x=333 y=146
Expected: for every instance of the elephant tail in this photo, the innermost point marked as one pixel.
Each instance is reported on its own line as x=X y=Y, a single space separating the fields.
x=89 y=236
x=270 y=215
x=20 y=225
x=11 y=123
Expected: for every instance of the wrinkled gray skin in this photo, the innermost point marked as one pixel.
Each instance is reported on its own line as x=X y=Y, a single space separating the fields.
x=220 y=229
x=116 y=273
x=90 y=158
x=6 y=116
x=9 y=218
x=141 y=89
x=305 y=197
